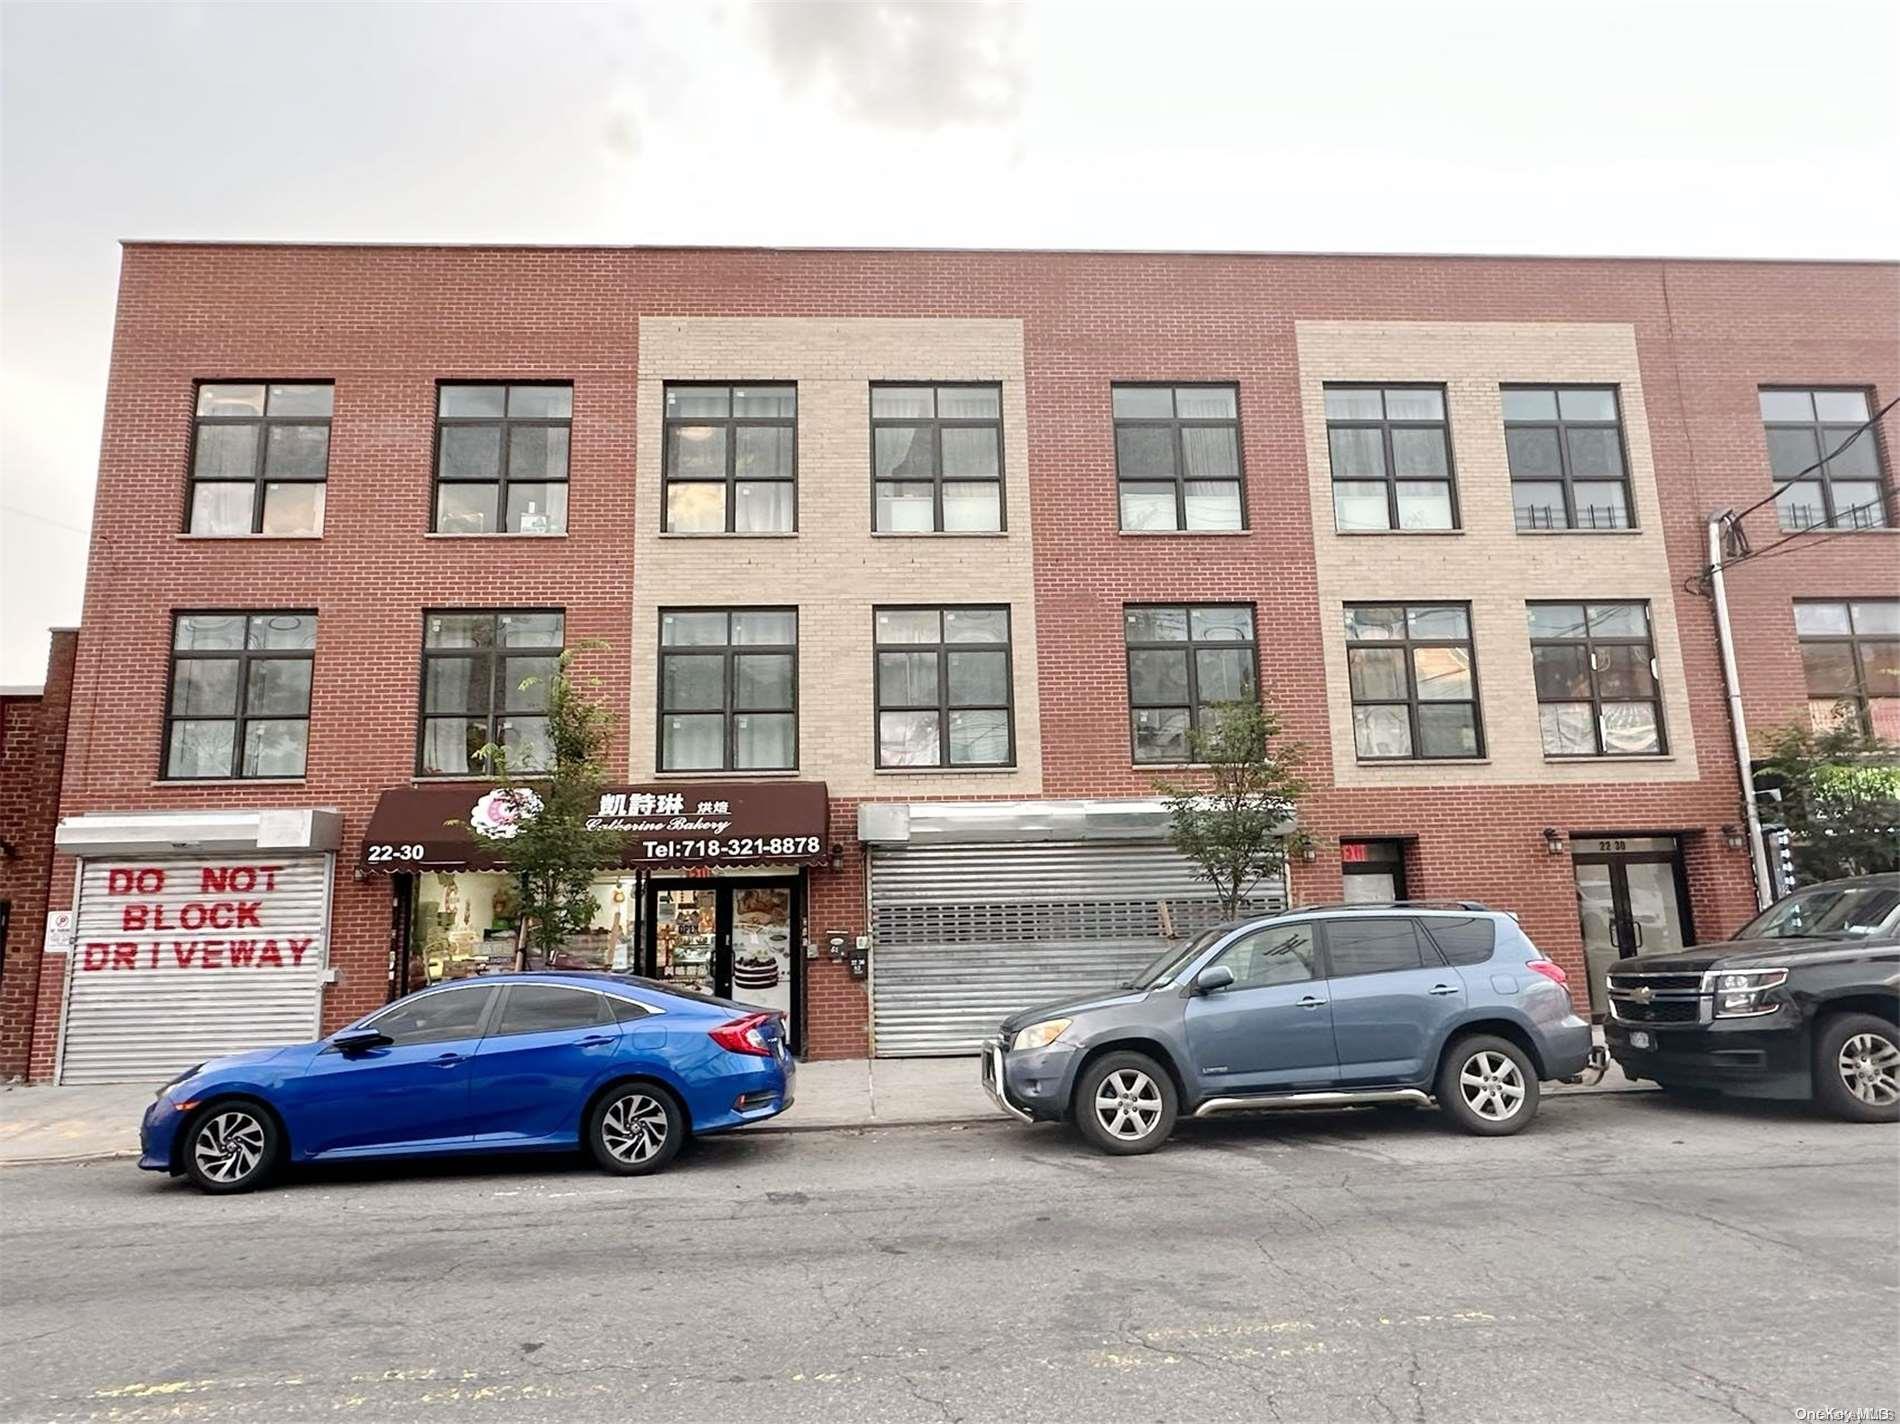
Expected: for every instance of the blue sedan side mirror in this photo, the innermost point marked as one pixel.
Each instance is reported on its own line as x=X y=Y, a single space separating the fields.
x=360 y=1040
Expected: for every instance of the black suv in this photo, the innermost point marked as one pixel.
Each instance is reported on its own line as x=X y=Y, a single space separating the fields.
x=1802 y=1003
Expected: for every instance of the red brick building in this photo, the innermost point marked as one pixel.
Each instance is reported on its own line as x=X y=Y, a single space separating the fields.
x=905 y=523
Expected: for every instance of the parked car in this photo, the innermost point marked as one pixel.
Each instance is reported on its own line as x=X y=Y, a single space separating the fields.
x=1325 y=1006
x=1802 y=1003
x=516 y=1062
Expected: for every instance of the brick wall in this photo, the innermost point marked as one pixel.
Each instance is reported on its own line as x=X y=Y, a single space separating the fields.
x=32 y=749
x=386 y=323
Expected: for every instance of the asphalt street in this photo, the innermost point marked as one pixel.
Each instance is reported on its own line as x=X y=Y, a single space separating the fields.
x=1629 y=1257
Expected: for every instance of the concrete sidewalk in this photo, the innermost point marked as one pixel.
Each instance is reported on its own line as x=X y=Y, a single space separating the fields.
x=41 y=1124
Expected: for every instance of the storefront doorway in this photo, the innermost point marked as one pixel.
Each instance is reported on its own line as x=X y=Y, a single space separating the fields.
x=1372 y=872
x=1632 y=898
x=735 y=937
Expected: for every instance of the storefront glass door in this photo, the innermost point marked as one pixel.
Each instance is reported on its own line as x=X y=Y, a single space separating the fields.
x=1631 y=899
x=734 y=938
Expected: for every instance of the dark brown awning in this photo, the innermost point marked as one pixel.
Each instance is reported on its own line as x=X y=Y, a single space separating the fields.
x=664 y=825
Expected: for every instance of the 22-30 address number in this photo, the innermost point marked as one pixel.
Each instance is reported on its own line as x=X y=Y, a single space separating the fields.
x=383 y=854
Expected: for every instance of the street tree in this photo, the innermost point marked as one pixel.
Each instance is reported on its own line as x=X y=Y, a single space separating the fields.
x=1232 y=821
x=1837 y=790
x=538 y=815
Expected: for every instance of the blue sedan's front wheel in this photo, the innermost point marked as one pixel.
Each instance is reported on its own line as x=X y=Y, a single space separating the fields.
x=636 y=1128
x=231 y=1146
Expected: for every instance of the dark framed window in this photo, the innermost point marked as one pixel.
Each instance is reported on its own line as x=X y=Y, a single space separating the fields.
x=945 y=696
x=937 y=459
x=1850 y=655
x=1372 y=872
x=728 y=689
x=731 y=459
x=1358 y=945
x=548 y=1008
x=1182 y=662
x=1414 y=681
x=1815 y=442
x=239 y=704
x=1390 y=448
x=1177 y=457
x=441 y=1017
x=485 y=680
x=501 y=455
x=1569 y=465
x=1595 y=665
x=260 y=457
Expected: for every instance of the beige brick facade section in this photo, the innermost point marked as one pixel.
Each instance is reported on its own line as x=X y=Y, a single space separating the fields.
x=1489 y=564
x=834 y=569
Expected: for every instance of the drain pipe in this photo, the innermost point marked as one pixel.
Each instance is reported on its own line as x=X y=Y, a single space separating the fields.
x=1738 y=723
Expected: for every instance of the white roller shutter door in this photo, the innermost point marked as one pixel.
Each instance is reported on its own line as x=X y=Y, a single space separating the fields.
x=178 y=960
x=965 y=935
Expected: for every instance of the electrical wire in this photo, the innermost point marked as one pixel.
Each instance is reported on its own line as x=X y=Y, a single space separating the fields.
x=1859 y=431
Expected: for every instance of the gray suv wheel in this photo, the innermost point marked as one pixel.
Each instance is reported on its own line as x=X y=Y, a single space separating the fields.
x=1125 y=1104
x=1488 y=1086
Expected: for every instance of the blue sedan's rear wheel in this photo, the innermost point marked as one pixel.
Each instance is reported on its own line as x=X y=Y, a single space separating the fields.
x=231 y=1146
x=636 y=1128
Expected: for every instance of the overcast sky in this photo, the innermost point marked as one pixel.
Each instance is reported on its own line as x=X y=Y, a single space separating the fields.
x=1699 y=129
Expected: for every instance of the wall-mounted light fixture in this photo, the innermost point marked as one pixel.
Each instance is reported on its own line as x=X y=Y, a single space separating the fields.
x=1309 y=852
x=1733 y=838
x=1553 y=840
x=836 y=862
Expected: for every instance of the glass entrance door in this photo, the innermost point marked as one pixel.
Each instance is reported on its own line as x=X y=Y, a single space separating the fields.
x=1632 y=898
x=734 y=938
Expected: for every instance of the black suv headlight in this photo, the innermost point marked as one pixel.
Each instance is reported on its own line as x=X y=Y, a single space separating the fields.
x=1739 y=992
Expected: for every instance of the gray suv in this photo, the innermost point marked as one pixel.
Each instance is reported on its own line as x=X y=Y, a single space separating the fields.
x=1327 y=1005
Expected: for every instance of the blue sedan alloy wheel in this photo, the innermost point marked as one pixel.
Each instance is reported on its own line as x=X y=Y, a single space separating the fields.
x=232 y=1147
x=635 y=1129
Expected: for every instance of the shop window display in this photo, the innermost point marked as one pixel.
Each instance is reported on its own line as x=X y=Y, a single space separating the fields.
x=468 y=923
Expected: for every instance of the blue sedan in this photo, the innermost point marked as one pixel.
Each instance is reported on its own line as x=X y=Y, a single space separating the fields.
x=627 y=1067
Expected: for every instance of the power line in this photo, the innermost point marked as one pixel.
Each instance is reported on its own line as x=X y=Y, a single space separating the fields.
x=1859 y=431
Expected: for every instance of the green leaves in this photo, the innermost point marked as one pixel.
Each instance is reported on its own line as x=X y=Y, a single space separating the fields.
x=555 y=856
x=1837 y=790
x=1234 y=823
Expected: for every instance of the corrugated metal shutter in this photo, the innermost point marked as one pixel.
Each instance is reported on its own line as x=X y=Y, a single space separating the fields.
x=965 y=935
x=176 y=961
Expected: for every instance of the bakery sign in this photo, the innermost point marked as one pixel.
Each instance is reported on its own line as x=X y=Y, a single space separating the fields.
x=669 y=825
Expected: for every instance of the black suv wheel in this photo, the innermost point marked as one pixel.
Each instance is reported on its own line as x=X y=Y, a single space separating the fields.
x=1125 y=1104
x=1857 y=1068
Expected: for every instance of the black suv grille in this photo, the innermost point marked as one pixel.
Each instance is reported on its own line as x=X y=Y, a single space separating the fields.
x=1660 y=1011
x=1660 y=983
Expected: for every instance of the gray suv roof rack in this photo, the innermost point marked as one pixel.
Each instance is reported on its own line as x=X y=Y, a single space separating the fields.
x=1473 y=905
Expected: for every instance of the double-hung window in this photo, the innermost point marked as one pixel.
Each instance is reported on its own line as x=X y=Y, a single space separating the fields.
x=1568 y=465
x=1391 y=458
x=728 y=689
x=1850 y=654
x=731 y=459
x=937 y=459
x=1595 y=665
x=1414 y=681
x=240 y=695
x=944 y=695
x=260 y=457
x=485 y=682
x=501 y=458
x=1830 y=464
x=1183 y=662
x=1177 y=457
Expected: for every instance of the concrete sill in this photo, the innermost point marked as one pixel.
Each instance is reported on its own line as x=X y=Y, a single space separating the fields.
x=178 y=781
x=1585 y=533
x=940 y=533
x=1380 y=763
x=722 y=534
x=1184 y=533
x=777 y=774
x=1388 y=533
x=1612 y=760
x=249 y=538
x=497 y=534
x=946 y=770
